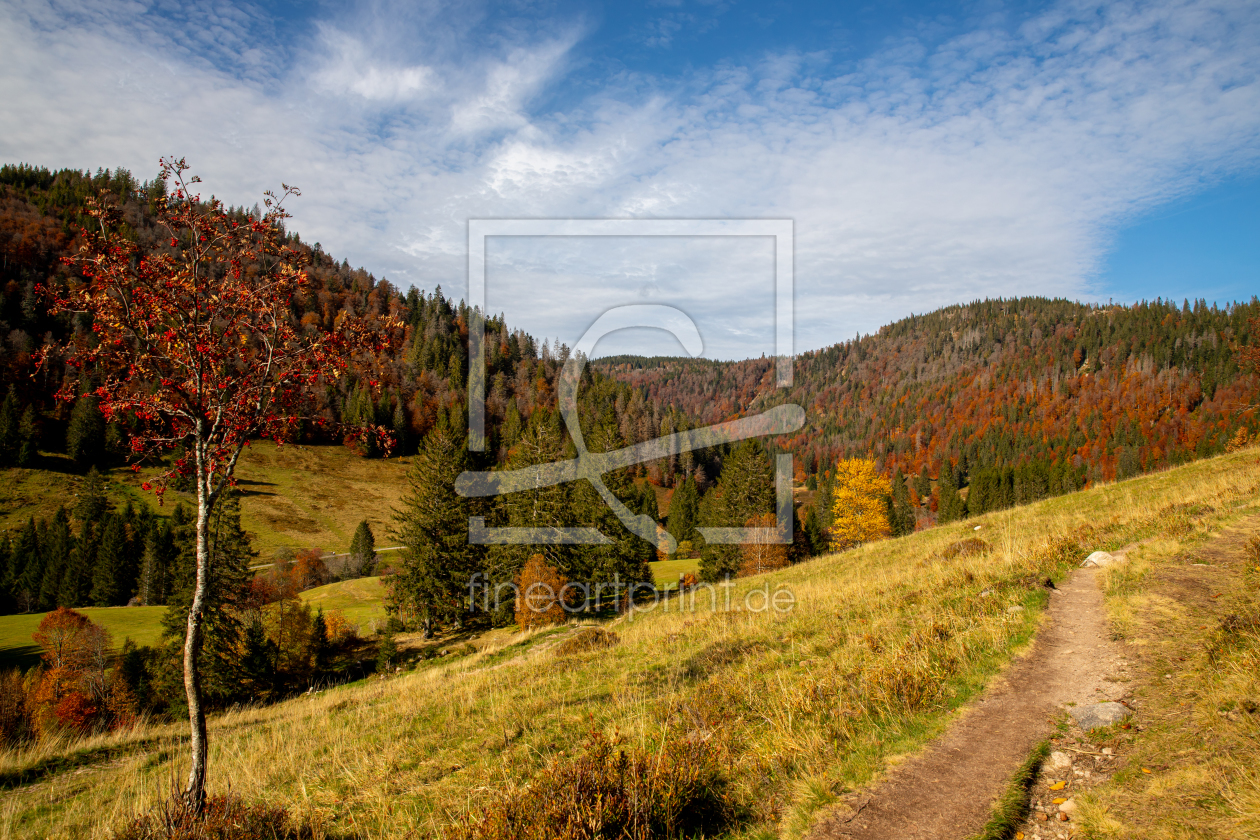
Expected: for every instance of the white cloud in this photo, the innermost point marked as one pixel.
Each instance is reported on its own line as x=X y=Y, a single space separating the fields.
x=996 y=163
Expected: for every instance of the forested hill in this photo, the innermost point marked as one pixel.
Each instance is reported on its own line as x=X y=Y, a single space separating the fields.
x=1075 y=391
x=422 y=382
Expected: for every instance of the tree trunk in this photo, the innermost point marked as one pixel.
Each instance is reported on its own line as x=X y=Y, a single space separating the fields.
x=195 y=793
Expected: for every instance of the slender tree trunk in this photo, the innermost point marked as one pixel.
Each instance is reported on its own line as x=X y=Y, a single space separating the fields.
x=195 y=793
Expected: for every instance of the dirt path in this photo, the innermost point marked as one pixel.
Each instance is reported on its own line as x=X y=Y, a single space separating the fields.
x=949 y=789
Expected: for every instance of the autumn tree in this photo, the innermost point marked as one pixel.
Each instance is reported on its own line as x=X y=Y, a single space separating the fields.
x=760 y=554
x=196 y=343
x=859 y=505
x=539 y=597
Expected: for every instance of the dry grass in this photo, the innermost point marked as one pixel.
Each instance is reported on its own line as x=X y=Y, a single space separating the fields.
x=1192 y=769
x=883 y=643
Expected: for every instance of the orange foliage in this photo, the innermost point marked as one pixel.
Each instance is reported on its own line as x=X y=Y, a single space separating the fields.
x=761 y=555
x=539 y=589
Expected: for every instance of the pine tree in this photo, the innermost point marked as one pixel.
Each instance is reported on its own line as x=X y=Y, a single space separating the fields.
x=157 y=560
x=363 y=550
x=85 y=437
x=432 y=525
x=6 y=575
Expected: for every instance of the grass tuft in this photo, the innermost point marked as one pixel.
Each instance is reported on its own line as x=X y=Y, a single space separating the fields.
x=1012 y=809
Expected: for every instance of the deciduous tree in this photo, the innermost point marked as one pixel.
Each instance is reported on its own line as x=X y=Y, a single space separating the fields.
x=859 y=504
x=197 y=344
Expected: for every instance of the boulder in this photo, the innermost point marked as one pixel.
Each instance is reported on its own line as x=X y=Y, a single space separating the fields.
x=1099 y=559
x=1099 y=715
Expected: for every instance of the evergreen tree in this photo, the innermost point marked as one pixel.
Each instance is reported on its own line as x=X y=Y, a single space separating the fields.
x=318 y=645
x=92 y=503
x=10 y=414
x=901 y=516
x=6 y=574
x=223 y=632
x=363 y=550
x=58 y=547
x=28 y=438
x=27 y=568
x=85 y=436
x=682 y=511
x=432 y=526
x=156 y=562
x=76 y=583
x=110 y=586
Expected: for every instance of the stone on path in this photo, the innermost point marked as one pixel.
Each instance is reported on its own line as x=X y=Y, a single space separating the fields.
x=1099 y=715
x=1099 y=559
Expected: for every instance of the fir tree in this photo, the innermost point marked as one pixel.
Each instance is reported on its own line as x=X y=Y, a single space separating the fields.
x=76 y=583
x=27 y=568
x=58 y=548
x=901 y=517
x=363 y=550
x=92 y=503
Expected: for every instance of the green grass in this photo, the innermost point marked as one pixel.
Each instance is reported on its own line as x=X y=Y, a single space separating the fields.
x=143 y=625
x=361 y=601
x=1012 y=808
x=293 y=496
x=666 y=572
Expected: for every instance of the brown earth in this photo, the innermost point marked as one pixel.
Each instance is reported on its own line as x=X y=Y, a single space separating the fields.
x=948 y=790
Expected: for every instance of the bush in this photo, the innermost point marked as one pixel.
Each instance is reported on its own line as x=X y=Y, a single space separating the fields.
x=608 y=792
x=539 y=590
x=586 y=641
x=224 y=818
x=970 y=547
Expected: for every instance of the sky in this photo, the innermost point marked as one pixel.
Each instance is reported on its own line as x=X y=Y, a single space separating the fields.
x=927 y=153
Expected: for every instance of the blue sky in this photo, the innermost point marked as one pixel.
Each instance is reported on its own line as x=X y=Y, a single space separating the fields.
x=928 y=153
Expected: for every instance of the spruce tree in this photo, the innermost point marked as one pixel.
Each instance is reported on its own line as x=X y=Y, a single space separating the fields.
x=28 y=438
x=110 y=587
x=92 y=503
x=10 y=415
x=437 y=561
x=901 y=517
x=27 y=568
x=363 y=550
x=85 y=436
x=682 y=511
x=76 y=583
x=58 y=548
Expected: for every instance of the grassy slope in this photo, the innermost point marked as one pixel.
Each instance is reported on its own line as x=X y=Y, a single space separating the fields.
x=805 y=704
x=296 y=496
x=143 y=625
x=361 y=601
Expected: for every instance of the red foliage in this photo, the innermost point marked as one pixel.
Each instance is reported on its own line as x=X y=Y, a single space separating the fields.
x=76 y=711
x=69 y=639
x=198 y=341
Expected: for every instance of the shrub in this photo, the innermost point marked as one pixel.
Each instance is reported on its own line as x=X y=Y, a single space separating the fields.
x=586 y=641
x=970 y=547
x=224 y=818
x=606 y=792
x=15 y=725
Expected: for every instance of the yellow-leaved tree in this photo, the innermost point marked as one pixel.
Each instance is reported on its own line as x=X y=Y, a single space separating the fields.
x=859 y=506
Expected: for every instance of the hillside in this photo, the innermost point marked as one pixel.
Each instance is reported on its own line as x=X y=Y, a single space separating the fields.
x=797 y=707
x=1053 y=394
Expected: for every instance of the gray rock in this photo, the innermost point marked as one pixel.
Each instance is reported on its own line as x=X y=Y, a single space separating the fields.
x=1099 y=715
x=1099 y=559
x=1059 y=760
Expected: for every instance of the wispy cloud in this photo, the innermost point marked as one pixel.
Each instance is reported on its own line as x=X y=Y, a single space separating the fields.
x=997 y=162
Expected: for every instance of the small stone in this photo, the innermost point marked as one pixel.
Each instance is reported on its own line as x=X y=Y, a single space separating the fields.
x=1015 y=609
x=1106 y=750
x=1068 y=807
x=1059 y=760
x=1099 y=715
x=1063 y=817
x=1043 y=817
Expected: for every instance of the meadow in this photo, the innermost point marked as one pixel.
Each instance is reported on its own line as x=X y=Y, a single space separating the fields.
x=882 y=644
